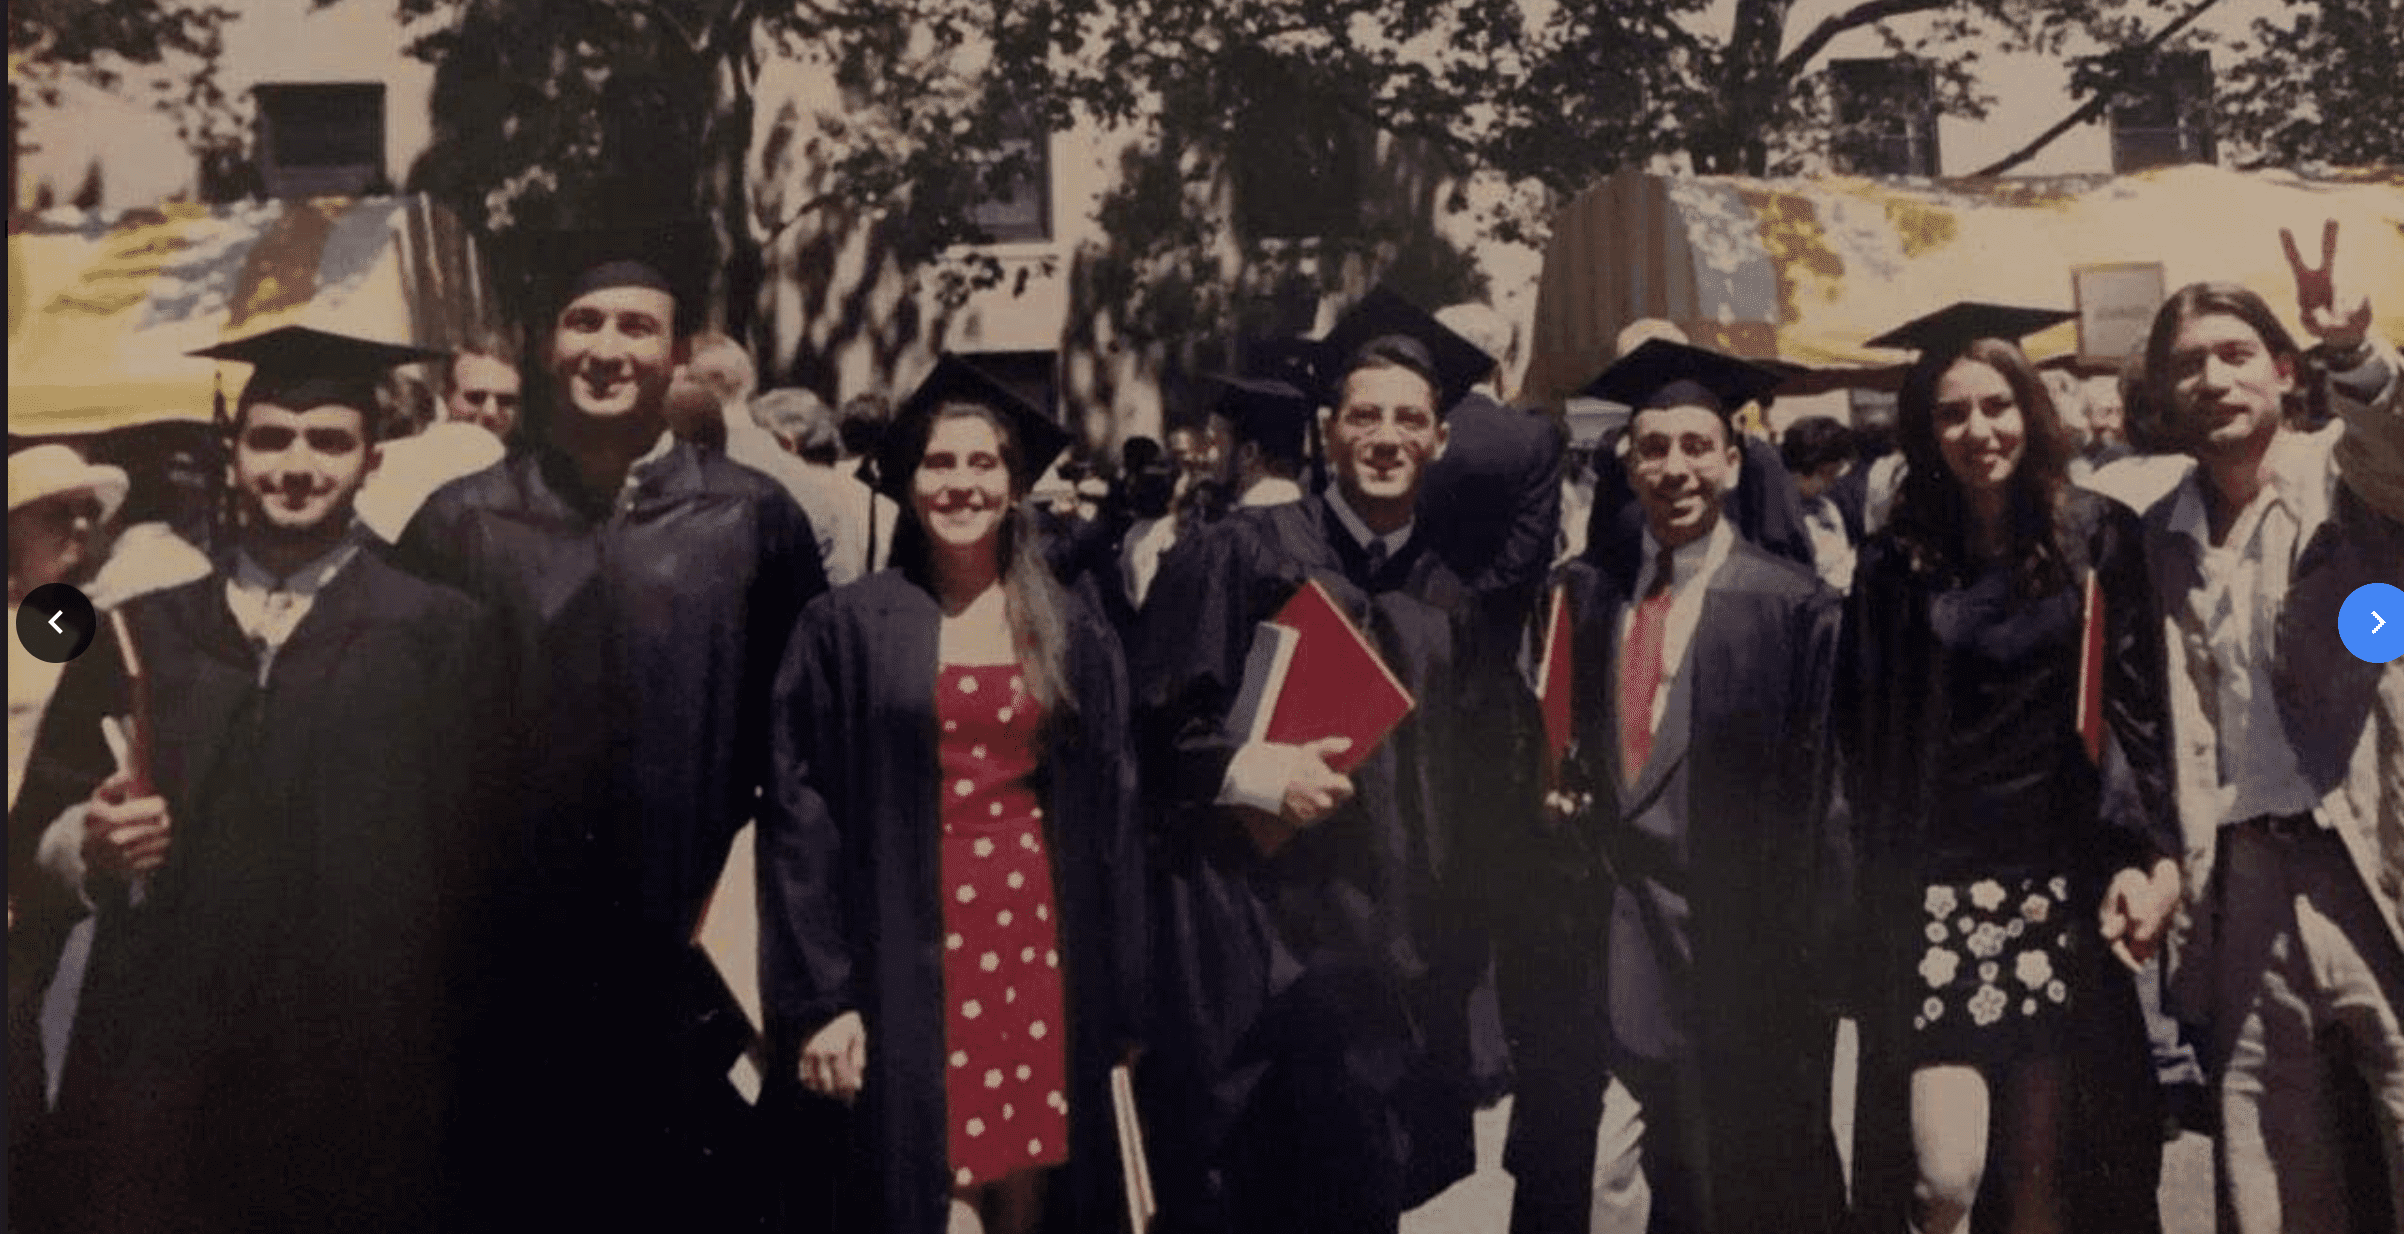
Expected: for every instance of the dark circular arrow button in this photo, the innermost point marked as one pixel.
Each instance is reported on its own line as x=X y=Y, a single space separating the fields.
x=56 y=623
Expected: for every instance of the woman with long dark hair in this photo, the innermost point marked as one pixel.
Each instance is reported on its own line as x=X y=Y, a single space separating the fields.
x=951 y=875
x=2000 y=712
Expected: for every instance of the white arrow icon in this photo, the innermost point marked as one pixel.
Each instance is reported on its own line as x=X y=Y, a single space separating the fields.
x=62 y=612
x=2381 y=620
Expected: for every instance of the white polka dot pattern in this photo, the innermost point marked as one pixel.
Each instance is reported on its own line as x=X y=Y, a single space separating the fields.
x=1000 y=1036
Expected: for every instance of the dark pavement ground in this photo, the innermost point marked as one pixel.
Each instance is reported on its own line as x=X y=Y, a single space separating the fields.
x=1481 y=1203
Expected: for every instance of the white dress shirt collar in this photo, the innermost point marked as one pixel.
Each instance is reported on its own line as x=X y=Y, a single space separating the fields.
x=268 y=608
x=1358 y=528
x=1692 y=567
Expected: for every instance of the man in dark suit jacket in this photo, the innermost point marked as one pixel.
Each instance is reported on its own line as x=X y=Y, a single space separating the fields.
x=1494 y=499
x=1702 y=682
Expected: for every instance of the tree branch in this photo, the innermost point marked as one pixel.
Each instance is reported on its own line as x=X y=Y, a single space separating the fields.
x=1869 y=12
x=2094 y=106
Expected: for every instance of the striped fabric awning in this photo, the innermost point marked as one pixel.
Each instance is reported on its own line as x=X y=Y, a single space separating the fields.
x=102 y=312
x=1804 y=271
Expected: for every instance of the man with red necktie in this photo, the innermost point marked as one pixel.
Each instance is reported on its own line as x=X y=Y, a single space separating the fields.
x=1702 y=685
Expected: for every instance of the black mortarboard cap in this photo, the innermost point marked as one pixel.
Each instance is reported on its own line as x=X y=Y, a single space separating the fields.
x=1294 y=361
x=1274 y=413
x=1957 y=325
x=1457 y=363
x=956 y=380
x=1659 y=364
x=302 y=367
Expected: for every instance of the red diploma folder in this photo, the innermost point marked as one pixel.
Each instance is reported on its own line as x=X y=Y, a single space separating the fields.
x=2090 y=673
x=1312 y=674
x=1553 y=684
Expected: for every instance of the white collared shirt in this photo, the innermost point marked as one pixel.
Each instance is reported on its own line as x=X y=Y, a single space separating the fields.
x=641 y=467
x=1358 y=528
x=2229 y=622
x=1692 y=567
x=269 y=608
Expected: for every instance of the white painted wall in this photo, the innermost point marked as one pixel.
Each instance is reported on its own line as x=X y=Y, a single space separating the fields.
x=141 y=160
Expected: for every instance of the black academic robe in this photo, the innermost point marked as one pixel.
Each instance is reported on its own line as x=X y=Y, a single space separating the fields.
x=1896 y=681
x=263 y=1042
x=1721 y=933
x=643 y=636
x=1087 y=562
x=1339 y=967
x=1492 y=504
x=851 y=911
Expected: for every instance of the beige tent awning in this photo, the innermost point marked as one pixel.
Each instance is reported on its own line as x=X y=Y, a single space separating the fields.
x=1805 y=270
x=102 y=312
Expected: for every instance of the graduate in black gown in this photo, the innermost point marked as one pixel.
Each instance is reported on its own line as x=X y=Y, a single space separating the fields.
x=2004 y=1064
x=1309 y=1068
x=647 y=587
x=1699 y=792
x=909 y=829
x=263 y=1039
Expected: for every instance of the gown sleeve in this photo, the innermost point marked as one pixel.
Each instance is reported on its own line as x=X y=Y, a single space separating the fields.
x=806 y=963
x=1190 y=647
x=2138 y=812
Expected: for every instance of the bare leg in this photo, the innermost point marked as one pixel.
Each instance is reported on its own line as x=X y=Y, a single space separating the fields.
x=1950 y=1107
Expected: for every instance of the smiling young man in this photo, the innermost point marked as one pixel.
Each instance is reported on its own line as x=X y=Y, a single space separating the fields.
x=1701 y=694
x=261 y=1038
x=1312 y=1069
x=2291 y=947
x=648 y=586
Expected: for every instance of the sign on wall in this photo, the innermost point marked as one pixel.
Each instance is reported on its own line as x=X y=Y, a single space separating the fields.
x=2116 y=303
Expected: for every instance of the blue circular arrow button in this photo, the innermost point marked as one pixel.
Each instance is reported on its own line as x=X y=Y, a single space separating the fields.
x=2372 y=622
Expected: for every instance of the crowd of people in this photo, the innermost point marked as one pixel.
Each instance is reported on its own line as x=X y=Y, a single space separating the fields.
x=357 y=870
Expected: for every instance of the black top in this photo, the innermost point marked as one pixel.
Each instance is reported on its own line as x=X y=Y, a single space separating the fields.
x=1961 y=702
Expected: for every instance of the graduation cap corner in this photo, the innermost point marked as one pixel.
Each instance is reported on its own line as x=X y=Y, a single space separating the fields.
x=1957 y=325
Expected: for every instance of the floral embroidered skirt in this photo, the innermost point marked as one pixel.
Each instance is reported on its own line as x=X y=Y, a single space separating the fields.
x=1994 y=964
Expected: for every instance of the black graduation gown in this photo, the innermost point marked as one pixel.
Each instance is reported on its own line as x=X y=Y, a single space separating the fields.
x=851 y=912
x=1896 y=680
x=644 y=638
x=263 y=1043
x=1492 y=504
x=1735 y=920
x=1087 y=562
x=1348 y=953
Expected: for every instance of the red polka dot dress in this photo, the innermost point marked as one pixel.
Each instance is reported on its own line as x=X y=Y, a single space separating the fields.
x=1006 y=1072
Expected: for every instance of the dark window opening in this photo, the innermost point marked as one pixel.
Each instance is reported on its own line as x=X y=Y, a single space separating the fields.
x=321 y=139
x=1020 y=210
x=2166 y=118
x=1886 y=118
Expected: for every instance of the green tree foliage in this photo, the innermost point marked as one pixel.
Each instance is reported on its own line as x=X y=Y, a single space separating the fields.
x=2318 y=83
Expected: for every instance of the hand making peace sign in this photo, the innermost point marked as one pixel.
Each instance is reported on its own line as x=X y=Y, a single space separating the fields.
x=2316 y=294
